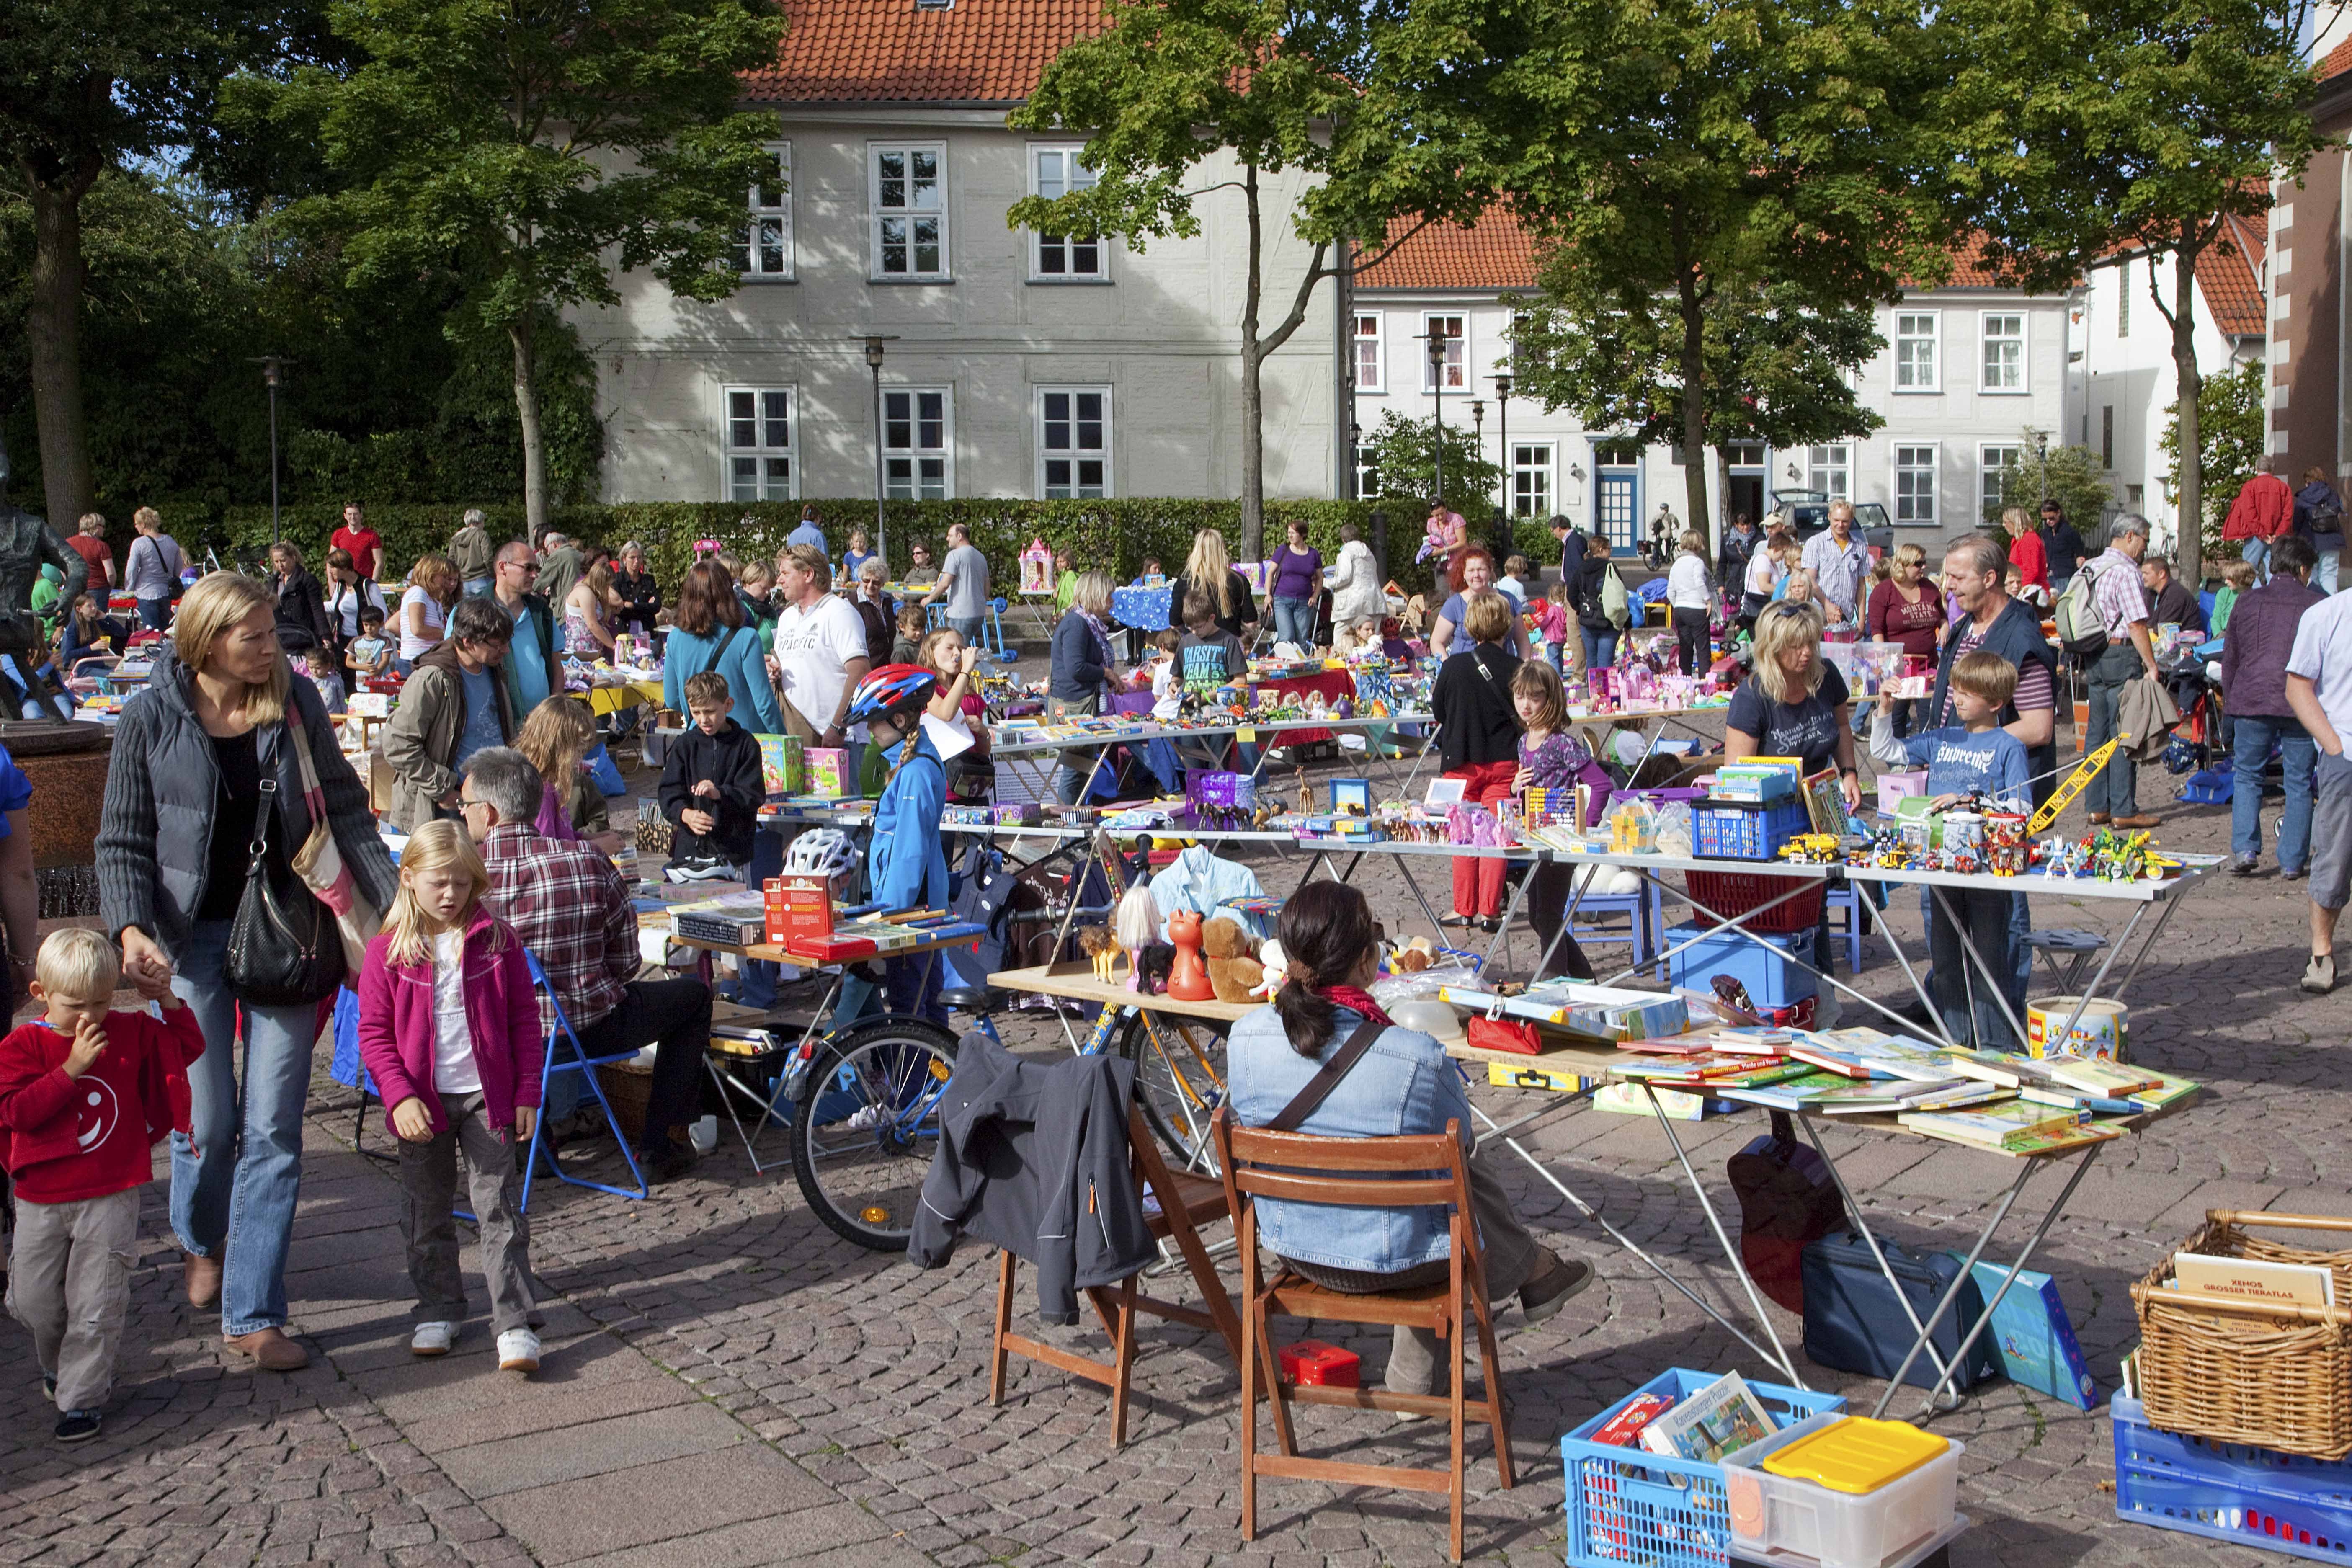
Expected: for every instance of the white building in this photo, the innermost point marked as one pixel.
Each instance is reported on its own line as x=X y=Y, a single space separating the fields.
x=1970 y=369
x=1013 y=364
x=2128 y=384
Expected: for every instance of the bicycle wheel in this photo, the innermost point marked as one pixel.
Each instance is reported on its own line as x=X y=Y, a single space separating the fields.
x=865 y=1124
x=1180 y=1077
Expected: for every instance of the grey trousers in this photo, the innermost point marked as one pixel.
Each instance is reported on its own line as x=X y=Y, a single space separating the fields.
x=1510 y=1251
x=428 y=1186
x=70 y=1283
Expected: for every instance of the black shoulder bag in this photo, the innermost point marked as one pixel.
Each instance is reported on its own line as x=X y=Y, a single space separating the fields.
x=1336 y=1065
x=284 y=947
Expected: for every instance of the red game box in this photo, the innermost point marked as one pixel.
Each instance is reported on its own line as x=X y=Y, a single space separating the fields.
x=1317 y=1365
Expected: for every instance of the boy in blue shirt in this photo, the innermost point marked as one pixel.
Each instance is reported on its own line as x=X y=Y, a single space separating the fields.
x=1976 y=757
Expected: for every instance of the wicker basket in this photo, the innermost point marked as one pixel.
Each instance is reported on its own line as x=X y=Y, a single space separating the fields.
x=2271 y=1376
x=630 y=1089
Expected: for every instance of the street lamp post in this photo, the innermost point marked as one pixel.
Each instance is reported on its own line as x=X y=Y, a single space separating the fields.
x=273 y=371
x=1355 y=459
x=1437 y=341
x=2041 y=460
x=873 y=342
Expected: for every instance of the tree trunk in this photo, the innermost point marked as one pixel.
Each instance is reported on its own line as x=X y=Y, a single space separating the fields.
x=1252 y=398
x=2189 y=385
x=53 y=334
x=534 y=441
x=1694 y=369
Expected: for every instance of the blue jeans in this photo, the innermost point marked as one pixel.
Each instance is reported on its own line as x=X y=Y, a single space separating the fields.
x=970 y=630
x=2298 y=760
x=155 y=613
x=1969 y=1011
x=1600 y=648
x=234 y=1183
x=2115 y=791
x=1293 y=621
x=2258 y=552
x=2323 y=575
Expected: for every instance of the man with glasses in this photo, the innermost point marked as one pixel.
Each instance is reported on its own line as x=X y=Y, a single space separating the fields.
x=454 y=705
x=530 y=662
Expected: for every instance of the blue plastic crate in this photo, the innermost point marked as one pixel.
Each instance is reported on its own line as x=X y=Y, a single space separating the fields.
x=2230 y=1491
x=1628 y=1508
x=1726 y=830
x=1775 y=976
x=2211 y=785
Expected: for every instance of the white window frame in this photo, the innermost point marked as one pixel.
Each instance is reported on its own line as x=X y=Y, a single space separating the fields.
x=1074 y=454
x=879 y=217
x=1377 y=341
x=902 y=462
x=1994 y=378
x=1076 y=176
x=1457 y=351
x=1831 y=457
x=1537 y=497
x=779 y=213
x=1933 y=469
x=1930 y=379
x=1987 y=470
x=761 y=453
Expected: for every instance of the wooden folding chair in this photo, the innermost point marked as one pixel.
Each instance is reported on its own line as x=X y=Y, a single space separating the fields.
x=1186 y=1202
x=1358 y=1173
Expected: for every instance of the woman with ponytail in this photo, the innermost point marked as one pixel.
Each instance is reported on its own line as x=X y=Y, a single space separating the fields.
x=906 y=865
x=1402 y=1084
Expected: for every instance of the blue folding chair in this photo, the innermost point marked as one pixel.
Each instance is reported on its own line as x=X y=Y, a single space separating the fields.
x=582 y=1063
x=994 y=631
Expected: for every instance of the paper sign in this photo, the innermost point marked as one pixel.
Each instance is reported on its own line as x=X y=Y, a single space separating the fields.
x=950 y=740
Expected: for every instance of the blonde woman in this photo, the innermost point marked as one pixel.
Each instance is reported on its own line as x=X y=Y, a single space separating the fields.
x=182 y=794
x=588 y=614
x=1210 y=568
x=1794 y=705
x=448 y=1027
x=557 y=737
x=424 y=607
x=1690 y=600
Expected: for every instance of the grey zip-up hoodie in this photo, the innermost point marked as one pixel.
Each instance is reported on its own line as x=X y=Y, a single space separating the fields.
x=1032 y=1157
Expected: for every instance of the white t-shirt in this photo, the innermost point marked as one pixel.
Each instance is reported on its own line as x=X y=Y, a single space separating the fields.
x=344 y=604
x=813 y=649
x=2323 y=655
x=412 y=647
x=968 y=599
x=453 y=1042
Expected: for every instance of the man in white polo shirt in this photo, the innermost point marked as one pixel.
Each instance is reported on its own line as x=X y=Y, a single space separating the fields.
x=2319 y=689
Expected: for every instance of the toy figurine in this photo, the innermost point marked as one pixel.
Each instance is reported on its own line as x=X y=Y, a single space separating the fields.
x=1136 y=924
x=1095 y=942
x=1189 y=980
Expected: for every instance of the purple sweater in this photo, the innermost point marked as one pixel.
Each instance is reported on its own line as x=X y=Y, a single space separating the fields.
x=1297 y=574
x=397 y=1025
x=2254 y=647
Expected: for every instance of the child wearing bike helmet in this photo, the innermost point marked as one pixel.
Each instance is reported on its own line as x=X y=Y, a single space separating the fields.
x=905 y=864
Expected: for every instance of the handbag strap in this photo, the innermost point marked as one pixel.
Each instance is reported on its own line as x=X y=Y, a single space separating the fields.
x=1326 y=1078
x=312 y=796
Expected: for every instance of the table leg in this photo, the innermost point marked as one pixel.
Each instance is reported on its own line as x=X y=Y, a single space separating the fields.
x=1977 y=959
x=1437 y=930
x=1503 y=931
x=1952 y=1291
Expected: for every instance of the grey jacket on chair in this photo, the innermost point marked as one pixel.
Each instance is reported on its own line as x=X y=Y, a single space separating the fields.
x=154 y=831
x=1032 y=1157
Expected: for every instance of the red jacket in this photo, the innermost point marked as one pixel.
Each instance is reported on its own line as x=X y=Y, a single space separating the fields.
x=69 y=1139
x=398 y=1024
x=2263 y=509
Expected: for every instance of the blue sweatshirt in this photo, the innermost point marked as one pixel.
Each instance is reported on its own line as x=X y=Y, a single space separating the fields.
x=1988 y=762
x=909 y=871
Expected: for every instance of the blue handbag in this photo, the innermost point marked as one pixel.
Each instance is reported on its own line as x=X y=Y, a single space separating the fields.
x=1855 y=1323
x=606 y=776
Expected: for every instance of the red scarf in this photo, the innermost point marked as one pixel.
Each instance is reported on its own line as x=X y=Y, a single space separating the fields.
x=1360 y=1002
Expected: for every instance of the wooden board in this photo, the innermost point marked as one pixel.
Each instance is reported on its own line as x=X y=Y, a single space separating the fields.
x=1076 y=981
x=1588 y=1061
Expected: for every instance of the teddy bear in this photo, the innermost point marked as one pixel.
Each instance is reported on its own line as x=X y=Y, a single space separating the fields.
x=1233 y=971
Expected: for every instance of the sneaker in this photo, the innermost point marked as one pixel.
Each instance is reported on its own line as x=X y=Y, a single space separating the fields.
x=2244 y=865
x=519 y=1352
x=431 y=1339
x=2295 y=875
x=1549 y=1291
x=2319 y=975
x=48 y=1388
x=78 y=1426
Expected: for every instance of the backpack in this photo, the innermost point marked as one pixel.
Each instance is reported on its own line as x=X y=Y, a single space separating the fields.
x=1615 y=603
x=2080 y=631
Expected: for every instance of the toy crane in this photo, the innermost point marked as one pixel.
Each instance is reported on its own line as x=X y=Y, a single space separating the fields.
x=2063 y=796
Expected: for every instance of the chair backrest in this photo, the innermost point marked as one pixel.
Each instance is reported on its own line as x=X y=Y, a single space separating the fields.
x=555 y=1004
x=1351 y=1172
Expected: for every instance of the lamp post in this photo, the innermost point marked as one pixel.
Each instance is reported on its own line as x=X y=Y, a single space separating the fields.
x=2041 y=460
x=1355 y=458
x=874 y=341
x=1503 y=437
x=1437 y=341
x=273 y=372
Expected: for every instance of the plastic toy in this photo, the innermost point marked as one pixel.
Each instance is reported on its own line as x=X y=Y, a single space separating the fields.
x=1188 y=978
x=1812 y=849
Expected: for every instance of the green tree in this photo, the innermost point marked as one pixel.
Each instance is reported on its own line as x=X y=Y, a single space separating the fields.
x=2140 y=123
x=530 y=149
x=1373 y=105
x=2071 y=476
x=1402 y=456
x=1692 y=162
x=2230 y=420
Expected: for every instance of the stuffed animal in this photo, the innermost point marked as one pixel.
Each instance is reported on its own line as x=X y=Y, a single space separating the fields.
x=1273 y=966
x=1413 y=956
x=1233 y=973
x=1095 y=942
x=1154 y=964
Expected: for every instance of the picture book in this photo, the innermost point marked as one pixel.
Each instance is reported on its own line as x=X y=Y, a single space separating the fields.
x=2000 y=1127
x=1754 y=1042
x=2169 y=1092
x=2076 y=1099
x=1971 y=1093
x=1673 y=1046
x=1884 y=1095
x=1624 y=1428
x=2035 y=1339
x=1674 y=1104
x=1845 y=1064
x=2063 y=1139
x=1790 y=1094
x=1721 y=1419
x=2095 y=1076
x=1993 y=1066
x=2253 y=1279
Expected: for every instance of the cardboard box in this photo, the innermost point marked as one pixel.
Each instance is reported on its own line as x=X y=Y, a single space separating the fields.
x=781 y=764
x=828 y=773
x=799 y=908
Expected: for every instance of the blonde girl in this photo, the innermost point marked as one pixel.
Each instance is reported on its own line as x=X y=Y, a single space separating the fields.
x=557 y=737
x=448 y=1027
x=1210 y=569
x=432 y=586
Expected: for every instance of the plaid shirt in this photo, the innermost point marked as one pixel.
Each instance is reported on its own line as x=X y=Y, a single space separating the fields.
x=2117 y=593
x=568 y=906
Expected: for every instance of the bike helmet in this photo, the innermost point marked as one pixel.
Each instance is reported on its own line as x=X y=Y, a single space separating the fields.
x=820 y=852
x=888 y=690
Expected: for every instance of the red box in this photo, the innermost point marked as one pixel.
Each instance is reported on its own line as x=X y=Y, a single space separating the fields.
x=1317 y=1365
x=799 y=910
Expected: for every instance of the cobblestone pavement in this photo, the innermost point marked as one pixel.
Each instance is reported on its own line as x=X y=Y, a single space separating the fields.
x=728 y=1384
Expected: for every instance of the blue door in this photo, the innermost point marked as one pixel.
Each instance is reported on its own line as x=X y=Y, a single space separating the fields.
x=1617 y=502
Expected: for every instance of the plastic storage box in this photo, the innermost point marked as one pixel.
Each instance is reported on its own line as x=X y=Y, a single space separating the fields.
x=1841 y=1528
x=1724 y=830
x=2230 y=1491
x=1628 y=1506
x=1734 y=893
x=1773 y=975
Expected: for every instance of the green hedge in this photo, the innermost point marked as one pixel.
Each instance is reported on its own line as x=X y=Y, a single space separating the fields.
x=1117 y=535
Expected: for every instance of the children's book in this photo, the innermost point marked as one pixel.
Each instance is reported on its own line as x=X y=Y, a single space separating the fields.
x=2097 y=1077
x=1790 y=1094
x=2006 y=1126
x=1721 y=1419
x=2169 y=1092
x=1754 y=1042
x=2035 y=1339
x=1882 y=1096
x=2253 y=1279
x=1624 y=1428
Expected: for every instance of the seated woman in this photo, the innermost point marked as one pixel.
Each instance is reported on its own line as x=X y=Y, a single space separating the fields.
x=1404 y=1083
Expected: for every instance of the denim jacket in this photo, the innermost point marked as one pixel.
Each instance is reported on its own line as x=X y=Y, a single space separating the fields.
x=1405 y=1083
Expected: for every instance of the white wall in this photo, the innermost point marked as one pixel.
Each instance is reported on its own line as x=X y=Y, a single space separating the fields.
x=1164 y=334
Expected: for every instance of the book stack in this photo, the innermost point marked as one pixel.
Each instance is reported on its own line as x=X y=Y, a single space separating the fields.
x=2011 y=1126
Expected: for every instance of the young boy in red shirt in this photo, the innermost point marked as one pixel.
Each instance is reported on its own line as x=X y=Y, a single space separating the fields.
x=84 y=1094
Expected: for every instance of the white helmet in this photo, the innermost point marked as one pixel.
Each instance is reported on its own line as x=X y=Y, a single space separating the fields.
x=820 y=852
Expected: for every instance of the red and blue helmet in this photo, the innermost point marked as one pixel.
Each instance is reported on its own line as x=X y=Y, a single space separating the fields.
x=890 y=691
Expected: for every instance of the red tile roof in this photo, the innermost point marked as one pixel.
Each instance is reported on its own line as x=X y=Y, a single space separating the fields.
x=1493 y=253
x=2338 y=60
x=2229 y=276
x=874 y=51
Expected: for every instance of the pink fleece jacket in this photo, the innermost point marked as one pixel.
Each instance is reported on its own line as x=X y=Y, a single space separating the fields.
x=398 y=1024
